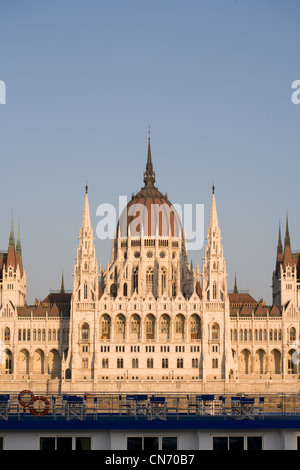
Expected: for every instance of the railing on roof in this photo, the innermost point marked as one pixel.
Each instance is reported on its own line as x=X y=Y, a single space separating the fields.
x=82 y=407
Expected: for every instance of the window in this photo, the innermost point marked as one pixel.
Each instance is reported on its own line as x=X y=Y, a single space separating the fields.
x=152 y=443
x=135 y=280
x=150 y=363
x=165 y=363
x=163 y=280
x=135 y=363
x=237 y=443
x=65 y=443
x=215 y=331
x=7 y=334
x=85 y=330
x=214 y=291
x=179 y=363
x=149 y=281
x=85 y=291
x=120 y=363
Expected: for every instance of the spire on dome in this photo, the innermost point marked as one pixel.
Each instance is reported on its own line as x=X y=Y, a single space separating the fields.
x=149 y=174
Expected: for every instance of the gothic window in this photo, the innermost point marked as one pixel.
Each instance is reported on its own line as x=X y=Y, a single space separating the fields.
x=163 y=280
x=208 y=295
x=120 y=363
x=150 y=324
x=195 y=363
x=149 y=363
x=85 y=331
x=135 y=279
x=173 y=289
x=292 y=334
x=85 y=291
x=105 y=363
x=79 y=295
x=165 y=363
x=179 y=324
x=215 y=330
x=215 y=363
x=135 y=363
x=7 y=334
x=120 y=324
x=149 y=281
x=214 y=291
x=125 y=289
x=179 y=363
x=164 y=324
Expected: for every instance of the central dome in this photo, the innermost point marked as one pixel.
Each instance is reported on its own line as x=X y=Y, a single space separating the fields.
x=149 y=213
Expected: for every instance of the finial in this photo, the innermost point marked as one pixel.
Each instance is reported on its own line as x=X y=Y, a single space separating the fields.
x=213 y=188
x=86 y=188
x=149 y=132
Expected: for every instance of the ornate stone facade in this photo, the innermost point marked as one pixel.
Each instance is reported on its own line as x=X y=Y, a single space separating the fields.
x=149 y=321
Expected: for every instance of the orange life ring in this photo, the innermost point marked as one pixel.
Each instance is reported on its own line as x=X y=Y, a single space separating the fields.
x=22 y=401
x=36 y=412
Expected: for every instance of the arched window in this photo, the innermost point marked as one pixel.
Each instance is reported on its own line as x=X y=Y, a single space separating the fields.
x=150 y=363
x=179 y=363
x=135 y=280
x=149 y=281
x=163 y=280
x=214 y=291
x=105 y=363
x=85 y=331
x=125 y=289
x=165 y=363
x=215 y=331
x=292 y=334
x=7 y=334
x=85 y=291
x=135 y=363
x=120 y=363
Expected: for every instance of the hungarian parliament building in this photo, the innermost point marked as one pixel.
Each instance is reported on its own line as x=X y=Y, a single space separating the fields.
x=150 y=322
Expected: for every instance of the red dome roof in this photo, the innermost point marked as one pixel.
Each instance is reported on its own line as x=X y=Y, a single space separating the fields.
x=149 y=213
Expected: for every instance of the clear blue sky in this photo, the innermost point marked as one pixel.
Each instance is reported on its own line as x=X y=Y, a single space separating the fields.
x=84 y=79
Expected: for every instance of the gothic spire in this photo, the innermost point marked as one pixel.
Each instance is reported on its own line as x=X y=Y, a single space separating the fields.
x=287 y=241
x=149 y=174
x=287 y=246
x=279 y=244
x=213 y=220
x=86 y=218
x=235 y=289
x=62 y=289
x=12 y=236
x=18 y=246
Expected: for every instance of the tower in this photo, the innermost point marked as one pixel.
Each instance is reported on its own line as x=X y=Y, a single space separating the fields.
x=80 y=362
x=216 y=354
x=13 y=276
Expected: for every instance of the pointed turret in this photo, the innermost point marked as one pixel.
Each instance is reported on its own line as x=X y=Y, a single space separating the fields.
x=11 y=255
x=11 y=235
x=279 y=258
x=86 y=218
x=235 y=289
x=287 y=245
x=149 y=174
x=19 y=261
x=213 y=220
x=62 y=288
